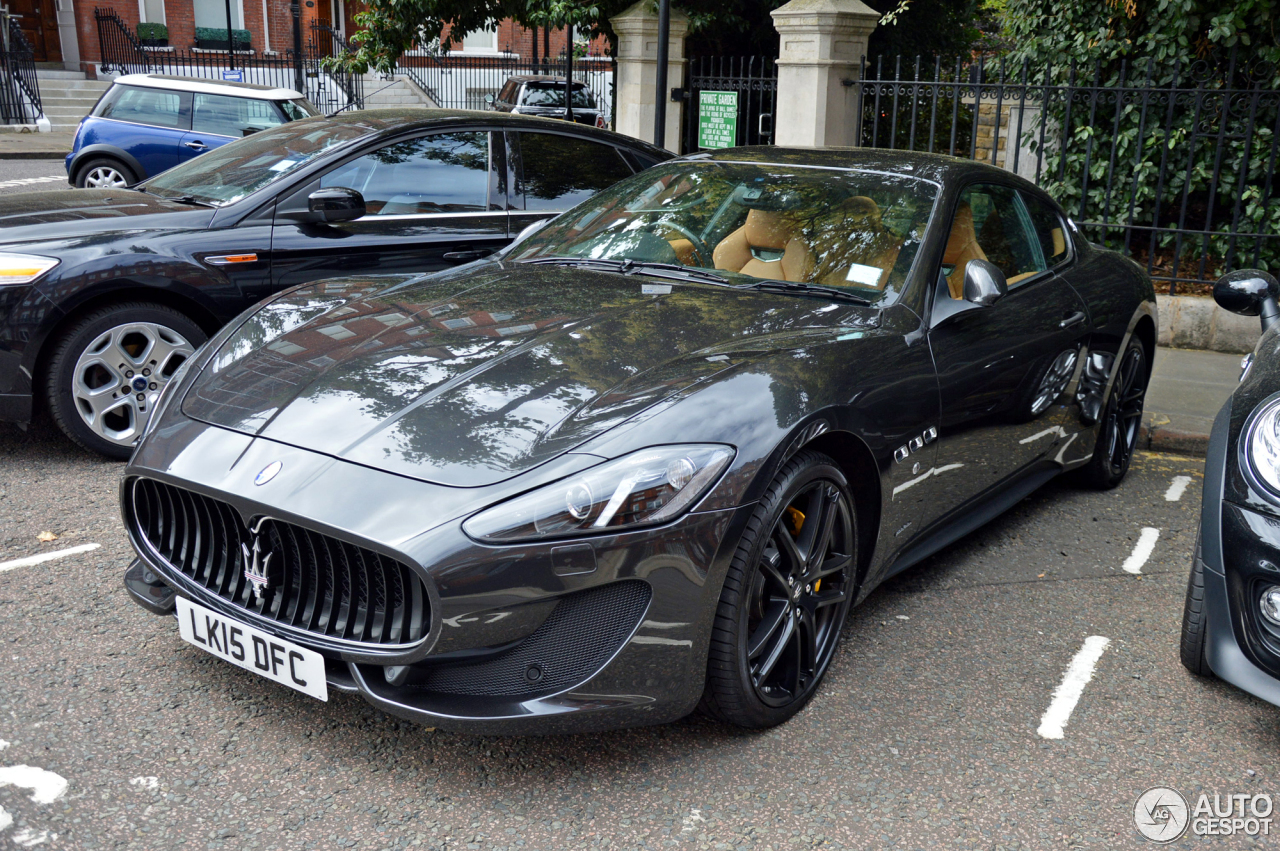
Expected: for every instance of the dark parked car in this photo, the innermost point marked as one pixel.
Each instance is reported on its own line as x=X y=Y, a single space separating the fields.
x=544 y=96
x=648 y=457
x=103 y=293
x=1231 y=621
x=146 y=123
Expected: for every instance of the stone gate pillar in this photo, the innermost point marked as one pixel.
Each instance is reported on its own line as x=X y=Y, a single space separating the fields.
x=822 y=45
x=636 y=80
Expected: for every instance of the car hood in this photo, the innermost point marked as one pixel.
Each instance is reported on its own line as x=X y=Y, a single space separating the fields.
x=75 y=212
x=471 y=377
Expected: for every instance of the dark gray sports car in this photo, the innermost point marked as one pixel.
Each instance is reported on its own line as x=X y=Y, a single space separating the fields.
x=647 y=458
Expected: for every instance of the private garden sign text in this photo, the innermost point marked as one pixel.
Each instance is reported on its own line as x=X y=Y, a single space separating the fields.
x=717 y=119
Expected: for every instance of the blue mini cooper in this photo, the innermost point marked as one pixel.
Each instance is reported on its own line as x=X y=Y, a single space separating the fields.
x=148 y=123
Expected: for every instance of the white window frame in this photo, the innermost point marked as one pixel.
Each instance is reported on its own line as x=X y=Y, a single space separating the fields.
x=164 y=12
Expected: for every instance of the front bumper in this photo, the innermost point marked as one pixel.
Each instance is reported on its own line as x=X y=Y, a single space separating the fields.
x=1240 y=549
x=632 y=633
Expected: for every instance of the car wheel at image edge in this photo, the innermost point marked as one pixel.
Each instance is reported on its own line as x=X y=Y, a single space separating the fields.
x=1194 y=625
x=785 y=597
x=104 y=173
x=1120 y=423
x=105 y=361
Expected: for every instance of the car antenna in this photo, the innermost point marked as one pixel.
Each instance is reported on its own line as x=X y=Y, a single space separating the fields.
x=353 y=103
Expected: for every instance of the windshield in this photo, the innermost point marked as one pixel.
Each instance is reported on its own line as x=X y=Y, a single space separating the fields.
x=297 y=109
x=552 y=94
x=858 y=231
x=238 y=168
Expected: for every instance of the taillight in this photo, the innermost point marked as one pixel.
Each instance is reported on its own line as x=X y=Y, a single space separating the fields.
x=600 y=121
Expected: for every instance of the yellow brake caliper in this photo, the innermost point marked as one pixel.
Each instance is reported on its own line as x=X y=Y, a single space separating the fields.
x=796 y=516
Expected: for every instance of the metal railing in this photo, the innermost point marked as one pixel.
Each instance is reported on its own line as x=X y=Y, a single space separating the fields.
x=1172 y=164
x=19 y=89
x=123 y=53
x=753 y=78
x=461 y=82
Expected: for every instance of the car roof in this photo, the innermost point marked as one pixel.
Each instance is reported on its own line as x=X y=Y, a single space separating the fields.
x=542 y=78
x=388 y=122
x=934 y=167
x=208 y=87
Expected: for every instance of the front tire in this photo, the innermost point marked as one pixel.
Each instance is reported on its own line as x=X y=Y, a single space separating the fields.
x=108 y=369
x=1121 y=421
x=105 y=173
x=1195 y=625
x=785 y=597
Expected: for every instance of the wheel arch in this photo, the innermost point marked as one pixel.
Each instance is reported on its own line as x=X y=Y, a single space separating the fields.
x=87 y=153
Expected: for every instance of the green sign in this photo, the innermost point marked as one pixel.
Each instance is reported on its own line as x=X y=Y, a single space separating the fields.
x=717 y=119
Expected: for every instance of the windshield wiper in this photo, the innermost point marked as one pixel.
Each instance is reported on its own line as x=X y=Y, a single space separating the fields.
x=801 y=288
x=187 y=199
x=632 y=267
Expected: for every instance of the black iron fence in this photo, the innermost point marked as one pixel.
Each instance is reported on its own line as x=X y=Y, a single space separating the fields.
x=462 y=82
x=1172 y=164
x=752 y=85
x=123 y=53
x=19 y=89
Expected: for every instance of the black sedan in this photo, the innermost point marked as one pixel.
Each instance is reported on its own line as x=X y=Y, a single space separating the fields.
x=104 y=293
x=647 y=458
x=1231 y=621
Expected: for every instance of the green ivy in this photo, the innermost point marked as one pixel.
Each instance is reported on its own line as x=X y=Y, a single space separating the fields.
x=1104 y=160
x=220 y=34
x=153 y=31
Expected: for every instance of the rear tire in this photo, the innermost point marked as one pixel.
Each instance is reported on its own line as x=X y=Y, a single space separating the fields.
x=1195 y=624
x=105 y=173
x=785 y=597
x=1121 y=420
x=105 y=361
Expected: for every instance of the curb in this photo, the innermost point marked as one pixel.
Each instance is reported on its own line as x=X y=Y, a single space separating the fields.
x=1161 y=438
x=33 y=155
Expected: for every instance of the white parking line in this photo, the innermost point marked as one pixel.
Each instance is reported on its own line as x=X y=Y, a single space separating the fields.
x=1067 y=694
x=45 y=786
x=1175 y=491
x=27 y=181
x=1141 y=550
x=5 y=819
x=43 y=557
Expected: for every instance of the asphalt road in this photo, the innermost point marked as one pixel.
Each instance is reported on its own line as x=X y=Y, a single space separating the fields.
x=925 y=735
x=31 y=176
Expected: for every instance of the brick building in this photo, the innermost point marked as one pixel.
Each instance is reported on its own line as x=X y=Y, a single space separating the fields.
x=66 y=31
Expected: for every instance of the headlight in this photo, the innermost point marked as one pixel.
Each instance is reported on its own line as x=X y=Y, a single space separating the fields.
x=24 y=268
x=1264 y=446
x=641 y=489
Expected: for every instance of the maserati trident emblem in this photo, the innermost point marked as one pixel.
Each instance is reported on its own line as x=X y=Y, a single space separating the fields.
x=255 y=566
x=267 y=473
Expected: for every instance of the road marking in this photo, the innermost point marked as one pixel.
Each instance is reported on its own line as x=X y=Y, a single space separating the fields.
x=46 y=787
x=43 y=557
x=29 y=838
x=1179 y=486
x=27 y=181
x=146 y=782
x=691 y=820
x=1065 y=697
x=3 y=743
x=5 y=819
x=1141 y=550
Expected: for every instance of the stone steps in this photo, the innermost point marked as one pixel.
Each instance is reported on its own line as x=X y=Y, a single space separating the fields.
x=67 y=96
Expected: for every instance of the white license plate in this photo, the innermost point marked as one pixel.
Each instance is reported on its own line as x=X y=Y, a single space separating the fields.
x=252 y=649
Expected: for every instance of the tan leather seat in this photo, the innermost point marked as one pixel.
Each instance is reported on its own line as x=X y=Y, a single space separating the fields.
x=768 y=245
x=850 y=234
x=962 y=246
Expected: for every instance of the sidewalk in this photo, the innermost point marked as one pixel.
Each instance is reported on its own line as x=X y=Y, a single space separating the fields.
x=35 y=146
x=1188 y=388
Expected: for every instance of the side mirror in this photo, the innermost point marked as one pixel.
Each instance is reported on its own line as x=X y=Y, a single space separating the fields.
x=335 y=204
x=490 y=99
x=984 y=283
x=1249 y=292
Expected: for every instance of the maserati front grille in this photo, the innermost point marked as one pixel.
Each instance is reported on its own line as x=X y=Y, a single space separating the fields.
x=280 y=571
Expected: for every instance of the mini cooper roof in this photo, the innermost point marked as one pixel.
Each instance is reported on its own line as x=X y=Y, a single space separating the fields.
x=208 y=87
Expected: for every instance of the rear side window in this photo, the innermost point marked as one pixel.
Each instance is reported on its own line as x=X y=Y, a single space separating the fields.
x=158 y=107
x=445 y=173
x=296 y=109
x=1051 y=233
x=558 y=172
x=508 y=93
x=231 y=116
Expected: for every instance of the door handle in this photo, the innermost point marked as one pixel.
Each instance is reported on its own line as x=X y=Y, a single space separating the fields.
x=196 y=145
x=467 y=255
x=1074 y=319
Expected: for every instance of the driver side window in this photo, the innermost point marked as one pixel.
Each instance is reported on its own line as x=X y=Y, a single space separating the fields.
x=991 y=224
x=444 y=173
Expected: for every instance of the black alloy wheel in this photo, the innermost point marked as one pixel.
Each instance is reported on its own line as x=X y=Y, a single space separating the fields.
x=786 y=597
x=1121 y=421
